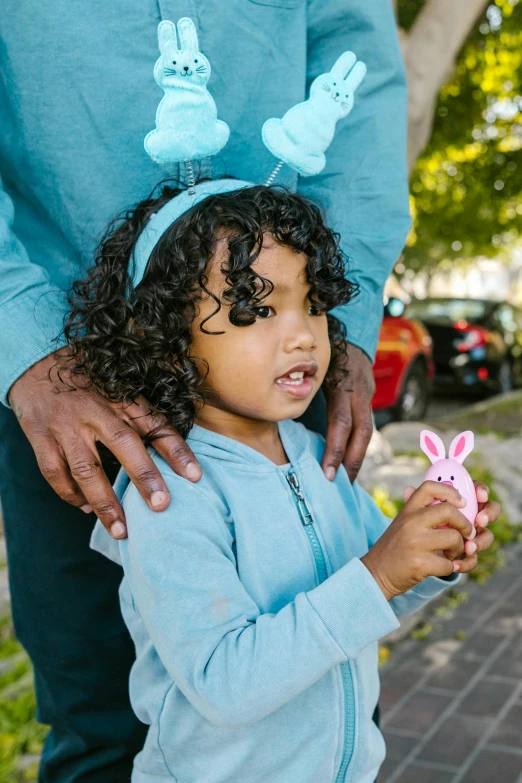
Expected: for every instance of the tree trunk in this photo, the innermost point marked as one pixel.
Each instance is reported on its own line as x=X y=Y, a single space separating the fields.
x=429 y=52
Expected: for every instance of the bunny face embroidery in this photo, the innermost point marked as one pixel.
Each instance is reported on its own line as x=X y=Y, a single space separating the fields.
x=337 y=87
x=181 y=67
x=305 y=132
x=451 y=470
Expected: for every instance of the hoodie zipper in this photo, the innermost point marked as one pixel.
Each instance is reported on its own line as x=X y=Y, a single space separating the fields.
x=308 y=523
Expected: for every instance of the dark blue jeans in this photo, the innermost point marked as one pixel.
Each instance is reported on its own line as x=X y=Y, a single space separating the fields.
x=67 y=616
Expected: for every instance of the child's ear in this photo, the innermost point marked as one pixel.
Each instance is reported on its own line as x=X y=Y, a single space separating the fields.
x=432 y=446
x=166 y=35
x=461 y=446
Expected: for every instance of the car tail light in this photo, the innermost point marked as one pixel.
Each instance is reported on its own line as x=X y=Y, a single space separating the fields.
x=472 y=336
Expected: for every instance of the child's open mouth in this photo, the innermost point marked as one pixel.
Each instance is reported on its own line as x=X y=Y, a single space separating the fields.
x=298 y=381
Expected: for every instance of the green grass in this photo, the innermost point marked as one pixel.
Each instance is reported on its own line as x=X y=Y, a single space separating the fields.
x=415 y=455
x=20 y=733
x=488 y=562
x=504 y=531
x=501 y=417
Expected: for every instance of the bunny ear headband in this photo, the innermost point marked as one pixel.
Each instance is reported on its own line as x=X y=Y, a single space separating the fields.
x=188 y=128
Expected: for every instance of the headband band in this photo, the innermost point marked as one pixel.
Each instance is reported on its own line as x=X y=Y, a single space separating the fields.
x=171 y=211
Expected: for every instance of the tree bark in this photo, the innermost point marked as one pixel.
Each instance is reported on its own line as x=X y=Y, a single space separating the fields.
x=429 y=51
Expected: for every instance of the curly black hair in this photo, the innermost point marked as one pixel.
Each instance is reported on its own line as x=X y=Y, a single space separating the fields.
x=132 y=343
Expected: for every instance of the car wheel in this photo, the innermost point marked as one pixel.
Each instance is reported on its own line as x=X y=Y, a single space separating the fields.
x=505 y=378
x=413 y=401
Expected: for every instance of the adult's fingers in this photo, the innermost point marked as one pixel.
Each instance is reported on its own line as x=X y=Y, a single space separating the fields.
x=359 y=438
x=429 y=491
x=87 y=472
x=55 y=470
x=167 y=441
x=131 y=453
x=339 y=417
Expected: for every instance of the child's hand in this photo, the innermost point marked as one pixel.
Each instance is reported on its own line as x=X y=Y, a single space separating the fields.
x=416 y=545
x=488 y=511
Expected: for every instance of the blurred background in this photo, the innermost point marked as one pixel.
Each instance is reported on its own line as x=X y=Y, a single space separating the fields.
x=449 y=358
x=453 y=321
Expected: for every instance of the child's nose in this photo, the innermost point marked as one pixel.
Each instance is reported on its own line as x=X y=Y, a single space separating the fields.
x=302 y=338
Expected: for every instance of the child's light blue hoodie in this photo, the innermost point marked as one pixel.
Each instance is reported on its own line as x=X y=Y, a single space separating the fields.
x=254 y=619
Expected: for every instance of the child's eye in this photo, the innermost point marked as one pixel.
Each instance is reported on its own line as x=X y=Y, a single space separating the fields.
x=315 y=310
x=264 y=312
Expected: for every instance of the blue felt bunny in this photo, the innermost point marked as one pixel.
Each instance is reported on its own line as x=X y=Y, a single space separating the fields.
x=305 y=132
x=187 y=127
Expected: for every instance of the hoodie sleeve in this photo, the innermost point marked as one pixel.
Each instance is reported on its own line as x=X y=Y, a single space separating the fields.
x=235 y=664
x=376 y=523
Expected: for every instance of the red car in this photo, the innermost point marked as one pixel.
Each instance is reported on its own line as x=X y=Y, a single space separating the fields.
x=403 y=368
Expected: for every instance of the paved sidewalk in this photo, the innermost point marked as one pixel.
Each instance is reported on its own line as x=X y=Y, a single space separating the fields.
x=452 y=704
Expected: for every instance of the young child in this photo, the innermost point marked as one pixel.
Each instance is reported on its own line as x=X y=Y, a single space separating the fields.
x=256 y=600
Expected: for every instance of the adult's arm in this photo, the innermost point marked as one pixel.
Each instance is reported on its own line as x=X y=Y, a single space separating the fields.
x=64 y=427
x=364 y=185
x=364 y=190
x=31 y=309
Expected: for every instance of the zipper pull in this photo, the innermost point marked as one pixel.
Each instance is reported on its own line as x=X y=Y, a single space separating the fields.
x=304 y=511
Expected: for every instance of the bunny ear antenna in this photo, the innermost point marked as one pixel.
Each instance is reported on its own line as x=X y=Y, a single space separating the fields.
x=188 y=129
x=305 y=132
x=187 y=126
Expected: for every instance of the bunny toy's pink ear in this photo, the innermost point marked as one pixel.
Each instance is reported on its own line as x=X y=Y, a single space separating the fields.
x=432 y=446
x=461 y=446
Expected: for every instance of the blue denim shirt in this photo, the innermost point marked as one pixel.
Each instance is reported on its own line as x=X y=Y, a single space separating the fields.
x=77 y=97
x=254 y=618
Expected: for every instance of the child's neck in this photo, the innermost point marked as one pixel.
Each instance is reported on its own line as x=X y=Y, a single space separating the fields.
x=263 y=436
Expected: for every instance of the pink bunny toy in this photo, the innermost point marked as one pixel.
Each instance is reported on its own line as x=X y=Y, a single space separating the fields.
x=451 y=471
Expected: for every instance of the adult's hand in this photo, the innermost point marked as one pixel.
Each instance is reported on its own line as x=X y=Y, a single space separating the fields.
x=349 y=416
x=63 y=427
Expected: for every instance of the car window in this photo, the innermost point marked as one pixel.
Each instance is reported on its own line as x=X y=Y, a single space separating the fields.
x=447 y=310
x=506 y=318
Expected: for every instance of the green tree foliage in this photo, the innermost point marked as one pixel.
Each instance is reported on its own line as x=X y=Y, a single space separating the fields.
x=467 y=186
